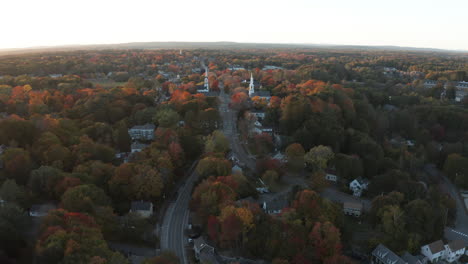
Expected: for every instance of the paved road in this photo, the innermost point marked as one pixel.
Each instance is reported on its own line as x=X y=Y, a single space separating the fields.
x=229 y=117
x=176 y=219
x=460 y=230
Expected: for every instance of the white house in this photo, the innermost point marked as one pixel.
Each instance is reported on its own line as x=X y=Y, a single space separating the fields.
x=357 y=186
x=329 y=176
x=352 y=208
x=259 y=114
x=144 y=209
x=454 y=250
x=145 y=132
x=434 y=251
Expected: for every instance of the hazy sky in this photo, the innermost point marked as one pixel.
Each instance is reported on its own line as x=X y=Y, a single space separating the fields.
x=416 y=23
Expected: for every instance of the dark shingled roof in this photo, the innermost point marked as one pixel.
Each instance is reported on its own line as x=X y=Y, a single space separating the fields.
x=436 y=246
x=456 y=245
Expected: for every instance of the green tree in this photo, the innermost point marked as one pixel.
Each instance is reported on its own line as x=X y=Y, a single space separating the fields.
x=319 y=156
x=167 y=118
x=295 y=155
x=217 y=142
x=456 y=167
x=13 y=224
x=212 y=166
x=147 y=184
x=166 y=257
x=84 y=198
x=12 y=193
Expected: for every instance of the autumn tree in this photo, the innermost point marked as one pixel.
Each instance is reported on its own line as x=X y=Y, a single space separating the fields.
x=325 y=239
x=17 y=164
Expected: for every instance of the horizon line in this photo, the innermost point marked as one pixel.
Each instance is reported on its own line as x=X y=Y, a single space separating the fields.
x=226 y=41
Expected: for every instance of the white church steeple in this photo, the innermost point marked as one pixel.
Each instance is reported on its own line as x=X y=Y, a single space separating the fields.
x=251 y=86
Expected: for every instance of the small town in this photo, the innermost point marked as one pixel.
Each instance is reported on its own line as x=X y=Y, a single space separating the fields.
x=267 y=149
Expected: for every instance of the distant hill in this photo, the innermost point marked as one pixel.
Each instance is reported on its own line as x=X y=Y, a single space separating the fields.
x=212 y=45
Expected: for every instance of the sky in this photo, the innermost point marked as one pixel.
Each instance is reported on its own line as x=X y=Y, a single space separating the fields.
x=410 y=23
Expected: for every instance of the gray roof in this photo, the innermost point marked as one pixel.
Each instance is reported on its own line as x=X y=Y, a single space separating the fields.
x=138 y=145
x=386 y=255
x=145 y=126
x=141 y=206
x=262 y=94
x=274 y=203
x=352 y=205
x=410 y=259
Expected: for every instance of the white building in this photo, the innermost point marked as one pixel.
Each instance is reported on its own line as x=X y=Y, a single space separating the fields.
x=454 y=250
x=145 y=132
x=331 y=177
x=352 y=208
x=434 y=251
x=143 y=209
x=358 y=185
x=262 y=94
x=259 y=114
x=206 y=84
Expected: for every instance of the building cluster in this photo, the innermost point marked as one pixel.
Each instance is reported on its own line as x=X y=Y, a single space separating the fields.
x=461 y=88
x=392 y=72
x=435 y=252
x=140 y=135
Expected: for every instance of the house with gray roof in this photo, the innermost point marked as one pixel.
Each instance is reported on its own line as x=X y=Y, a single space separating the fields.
x=144 y=132
x=142 y=208
x=204 y=253
x=137 y=147
x=410 y=259
x=383 y=255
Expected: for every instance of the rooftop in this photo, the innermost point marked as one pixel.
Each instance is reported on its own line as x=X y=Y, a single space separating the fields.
x=141 y=206
x=456 y=245
x=353 y=205
x=386 y=255
x=145 y=126
x=436 y=246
